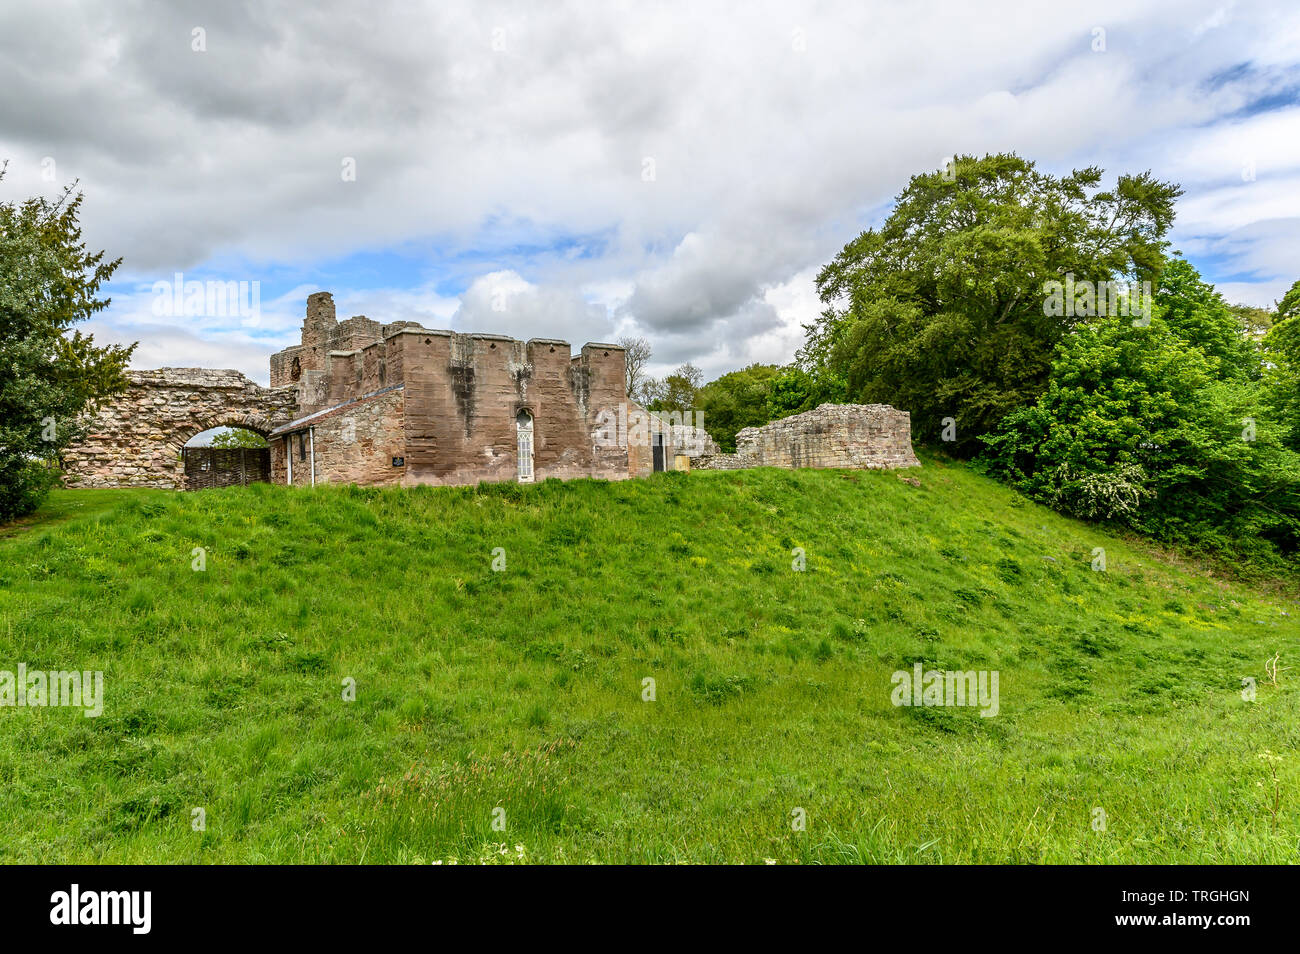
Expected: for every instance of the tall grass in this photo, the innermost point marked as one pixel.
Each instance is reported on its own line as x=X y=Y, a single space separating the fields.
x=501 y=715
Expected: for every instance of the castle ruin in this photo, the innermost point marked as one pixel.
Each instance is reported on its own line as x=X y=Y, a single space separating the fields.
x=358 y=401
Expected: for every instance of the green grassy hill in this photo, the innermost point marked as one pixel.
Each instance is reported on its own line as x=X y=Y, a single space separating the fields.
x=523 y=689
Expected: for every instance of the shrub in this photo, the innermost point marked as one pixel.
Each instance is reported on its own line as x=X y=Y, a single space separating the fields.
x=23 y=485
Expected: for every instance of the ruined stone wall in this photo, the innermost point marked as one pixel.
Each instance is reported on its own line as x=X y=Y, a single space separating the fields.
x=640 y=462
x=461 y=395
x=723 y=462
x=303 y=366
x=355 y=444
x=337 y=360
x=135 y=441
x=850 y=436
x=602 y=369
x=689 y=440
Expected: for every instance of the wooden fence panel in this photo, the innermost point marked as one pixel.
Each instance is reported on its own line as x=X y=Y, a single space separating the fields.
x=225 y=466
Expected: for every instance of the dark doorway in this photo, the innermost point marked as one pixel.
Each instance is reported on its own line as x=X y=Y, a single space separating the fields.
x=225 y=466
x=657 y=452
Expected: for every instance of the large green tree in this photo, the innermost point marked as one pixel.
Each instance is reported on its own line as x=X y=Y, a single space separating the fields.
x=677 y=392
x=1282 y=365
x=796 y=390
x=736 y=400
x=941 y=311
x=50 y=374
x=1166 y=428
x=1198 y=314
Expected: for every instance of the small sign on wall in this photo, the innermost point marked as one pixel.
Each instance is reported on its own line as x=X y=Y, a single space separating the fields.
x=399 y=461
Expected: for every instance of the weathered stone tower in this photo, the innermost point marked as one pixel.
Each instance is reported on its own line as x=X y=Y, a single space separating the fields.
x=402 y=404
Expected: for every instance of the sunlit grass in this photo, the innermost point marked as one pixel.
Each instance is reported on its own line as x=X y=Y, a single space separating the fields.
x=522 y=690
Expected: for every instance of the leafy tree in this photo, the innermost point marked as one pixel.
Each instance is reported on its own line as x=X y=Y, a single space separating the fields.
x=1281 y=347
x=941 y=311
x=49 y=378
x=736 y=400
x=795 y=390
x=650 y=391
x=238 y=437
x=1199 y=315
x=1254 y=319
x=679 y=390
x=1289 y=306
x=1162 y=429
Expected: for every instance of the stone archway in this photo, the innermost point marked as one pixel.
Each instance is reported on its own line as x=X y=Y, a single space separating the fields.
x=205 y=467
x=259 y=424
x=135 y=441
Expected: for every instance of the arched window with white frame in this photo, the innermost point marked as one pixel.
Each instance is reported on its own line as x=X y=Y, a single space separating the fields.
x=524 y=434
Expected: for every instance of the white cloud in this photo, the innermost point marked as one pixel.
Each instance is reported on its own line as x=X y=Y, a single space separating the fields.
x=505 y=303
x=513 y=137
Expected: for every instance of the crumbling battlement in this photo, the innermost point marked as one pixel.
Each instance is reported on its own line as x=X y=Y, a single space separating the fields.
x=338 y=361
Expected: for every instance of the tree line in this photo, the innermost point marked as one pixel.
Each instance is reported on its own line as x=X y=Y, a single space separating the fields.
x=1041 y=327
x=1037 y=325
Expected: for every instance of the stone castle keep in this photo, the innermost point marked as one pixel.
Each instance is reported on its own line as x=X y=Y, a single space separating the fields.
x=369 y=403
x=400 y=404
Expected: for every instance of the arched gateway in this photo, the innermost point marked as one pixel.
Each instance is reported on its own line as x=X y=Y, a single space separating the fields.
x=136 y=440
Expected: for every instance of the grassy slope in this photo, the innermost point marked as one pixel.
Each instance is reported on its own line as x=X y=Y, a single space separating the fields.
x=522 y=689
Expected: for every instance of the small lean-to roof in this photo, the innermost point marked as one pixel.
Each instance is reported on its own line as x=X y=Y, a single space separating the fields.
x=310 y=420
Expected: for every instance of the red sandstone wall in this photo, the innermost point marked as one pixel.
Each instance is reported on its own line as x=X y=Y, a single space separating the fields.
x=460 y=399
x=463 y=394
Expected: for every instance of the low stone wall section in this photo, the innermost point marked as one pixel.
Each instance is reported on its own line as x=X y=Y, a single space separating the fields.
x=848 y=436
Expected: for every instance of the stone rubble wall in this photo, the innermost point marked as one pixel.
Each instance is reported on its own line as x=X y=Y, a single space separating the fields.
x=135 y=440
x=848 y=436
x=355 y=445
x=691 y=441
x=722 y=462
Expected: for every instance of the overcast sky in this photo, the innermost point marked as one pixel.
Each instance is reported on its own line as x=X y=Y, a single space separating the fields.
x=678 y=171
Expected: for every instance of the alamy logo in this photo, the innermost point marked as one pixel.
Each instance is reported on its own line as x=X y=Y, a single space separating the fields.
x=58 y=688
x=936 y=688
x=1085 y=299
x=624 y=427
x=210 y=299
x=103 y=907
